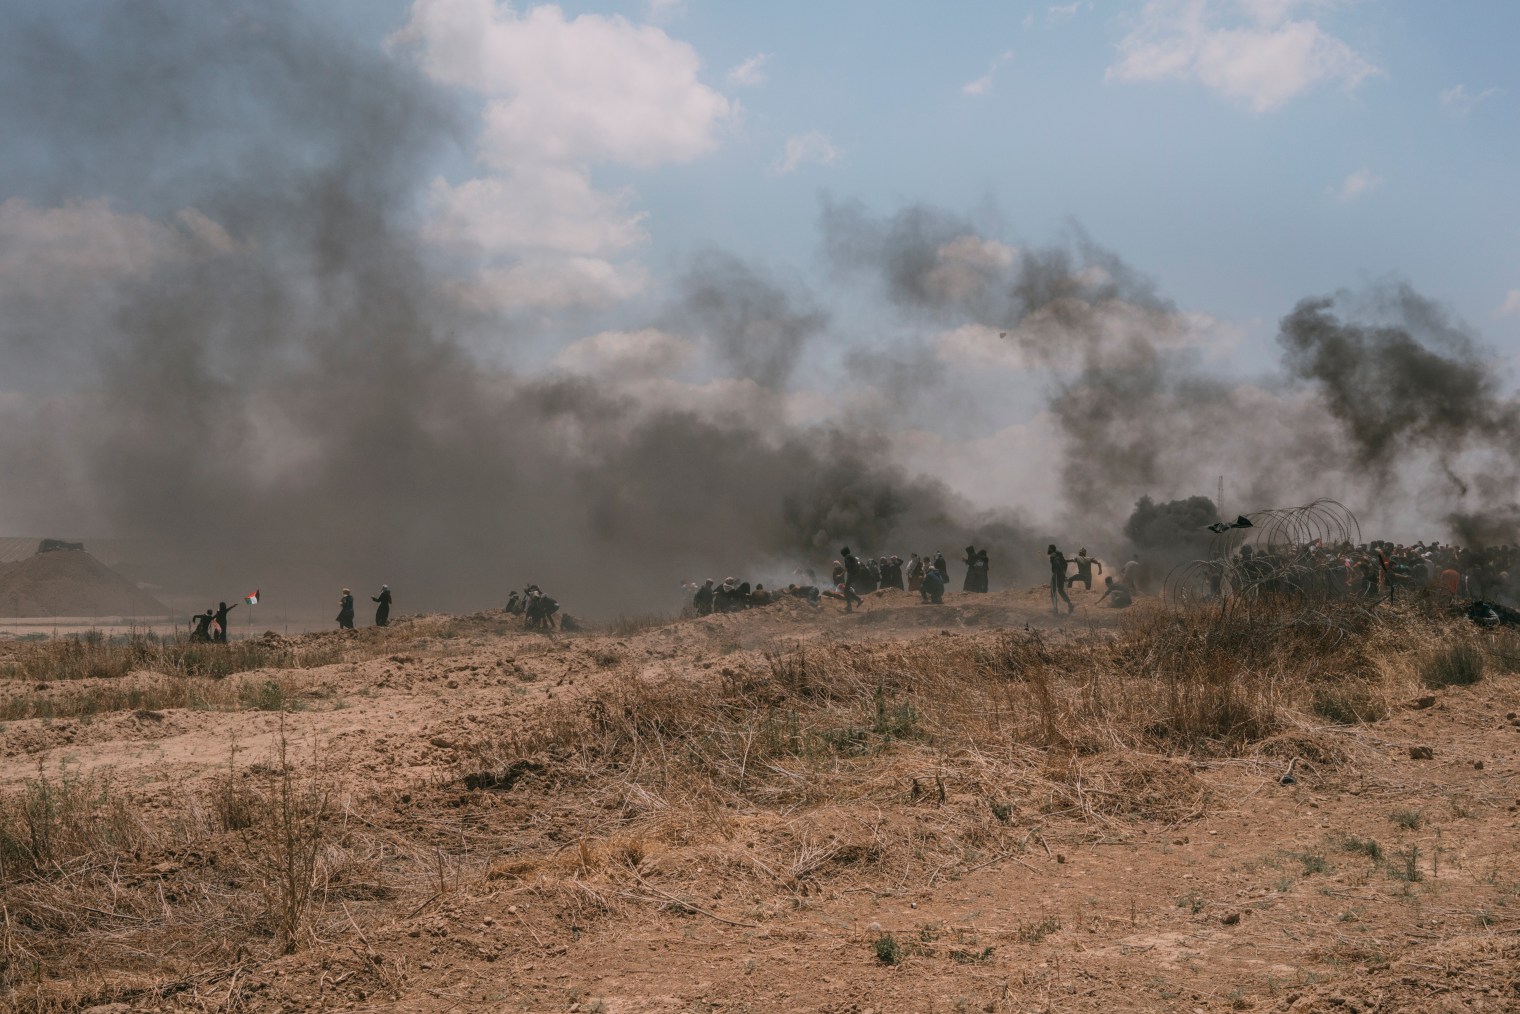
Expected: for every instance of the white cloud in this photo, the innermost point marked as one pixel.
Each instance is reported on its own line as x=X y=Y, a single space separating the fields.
x=1511 y=305
x=983 y=84
x=533 y=208
x=628 y=354
x=1264 y=59
x=751 y=72
x=1356 y=184
x=1065 y=12
x=592 y=88
x=561 y=94
x=1458 y=101
x=664 y=8
x=552 y=283
x=814 y=146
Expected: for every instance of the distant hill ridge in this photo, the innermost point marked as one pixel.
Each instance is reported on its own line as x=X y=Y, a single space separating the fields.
x=70 y=582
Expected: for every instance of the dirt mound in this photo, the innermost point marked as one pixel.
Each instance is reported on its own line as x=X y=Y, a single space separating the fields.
x=71 y=583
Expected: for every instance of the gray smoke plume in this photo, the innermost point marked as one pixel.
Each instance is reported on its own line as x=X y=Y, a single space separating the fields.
x=270 y=396
x=757 y=327
x=1414 y=385
x=1419 y=382
x=1406 y=396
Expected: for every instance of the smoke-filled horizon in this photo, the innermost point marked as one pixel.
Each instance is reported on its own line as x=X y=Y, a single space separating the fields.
x=258 y=367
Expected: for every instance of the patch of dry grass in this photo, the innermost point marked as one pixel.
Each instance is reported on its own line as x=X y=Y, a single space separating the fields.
x=96 y=656
x=793 y=767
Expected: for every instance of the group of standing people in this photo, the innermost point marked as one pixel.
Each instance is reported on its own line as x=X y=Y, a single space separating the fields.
x=211 y=625
x=382 y=610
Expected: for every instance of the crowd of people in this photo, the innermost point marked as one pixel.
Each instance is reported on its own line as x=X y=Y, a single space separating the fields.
x=1372 y=570
x=850 y=577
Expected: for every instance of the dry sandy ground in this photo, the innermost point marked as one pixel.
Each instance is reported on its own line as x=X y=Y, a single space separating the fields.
x=1253 y=902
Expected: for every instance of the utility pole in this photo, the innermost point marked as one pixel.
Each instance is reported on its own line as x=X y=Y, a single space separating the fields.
x=1219 y=500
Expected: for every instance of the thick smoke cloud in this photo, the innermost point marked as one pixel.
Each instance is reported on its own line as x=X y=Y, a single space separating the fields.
x=266 y=391
x=275 y=399
x=1381 y=394
x=1418 y=382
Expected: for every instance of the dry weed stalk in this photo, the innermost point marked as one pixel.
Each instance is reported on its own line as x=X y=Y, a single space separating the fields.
x=286 y=842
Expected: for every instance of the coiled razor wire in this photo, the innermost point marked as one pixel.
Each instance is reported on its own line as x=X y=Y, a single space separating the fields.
x=1286 y=552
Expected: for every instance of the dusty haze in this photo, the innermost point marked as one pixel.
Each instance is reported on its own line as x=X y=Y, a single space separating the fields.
x=277 y=397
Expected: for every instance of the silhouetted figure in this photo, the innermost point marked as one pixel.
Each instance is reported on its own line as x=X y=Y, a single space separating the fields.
x=1058 y=579
x=702 y=601
x=202 y=631
x=943 y=568
x=932 y=588
x=219 y=629
x=969 y=584
x=983 y=570
x=346 y=611
x=383 y=610
x=541 y=610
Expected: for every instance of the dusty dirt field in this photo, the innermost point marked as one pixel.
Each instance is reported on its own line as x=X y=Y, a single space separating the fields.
x=475 y=855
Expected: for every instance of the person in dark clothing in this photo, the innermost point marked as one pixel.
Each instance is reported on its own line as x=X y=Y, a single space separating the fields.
x=943 y=568
x=514 y=604
x=1085 y=565
x=540 y=611
x=983 y=571
x=702 y=601
x=854 y=579
x=383 y=610
x=805 y=591
x=1058 y=579
x=346 y=611
x=897 y=573
x=219 y=629
x=969 y=584
x=202 y=631
x=932 y=589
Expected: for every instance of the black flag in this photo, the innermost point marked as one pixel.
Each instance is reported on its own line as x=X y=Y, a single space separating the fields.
x=1220 y=527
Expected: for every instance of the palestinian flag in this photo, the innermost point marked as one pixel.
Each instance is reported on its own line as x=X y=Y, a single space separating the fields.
x=253 y=599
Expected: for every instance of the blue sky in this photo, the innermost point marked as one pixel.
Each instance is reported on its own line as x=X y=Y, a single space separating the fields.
x=1238 y=209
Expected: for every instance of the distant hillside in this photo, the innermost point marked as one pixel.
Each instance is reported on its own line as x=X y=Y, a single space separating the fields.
x=71 y=583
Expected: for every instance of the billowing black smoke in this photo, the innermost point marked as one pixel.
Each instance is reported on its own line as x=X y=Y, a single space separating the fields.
x=272 y=398
x=1169 y=533
x=1420 y=382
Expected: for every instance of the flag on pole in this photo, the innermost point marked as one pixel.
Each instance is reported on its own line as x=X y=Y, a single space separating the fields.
x=1223 y=526
x=253 y=599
